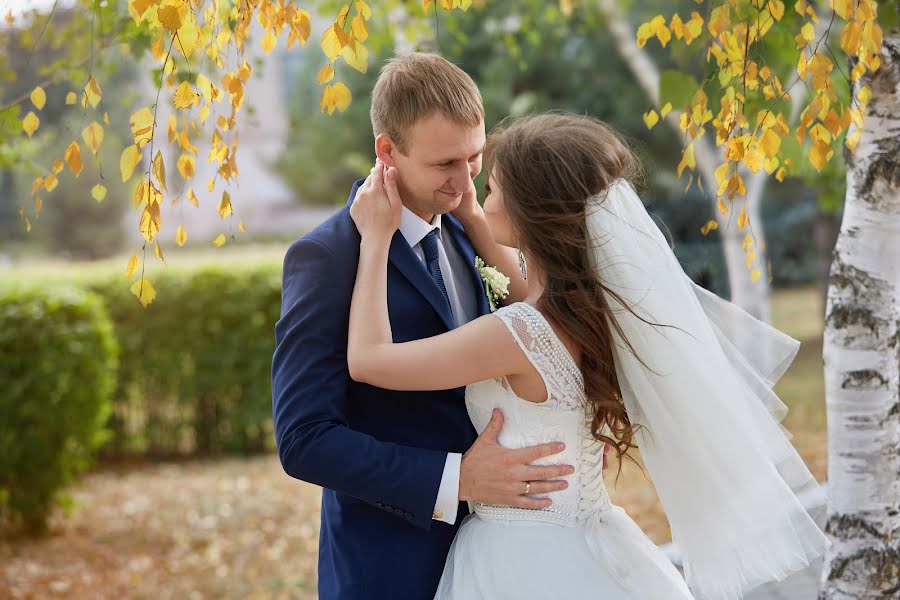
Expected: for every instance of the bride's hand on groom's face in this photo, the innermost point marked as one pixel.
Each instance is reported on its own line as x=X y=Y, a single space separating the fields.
x=468 y=209
x=376 y=207
x=492 y=474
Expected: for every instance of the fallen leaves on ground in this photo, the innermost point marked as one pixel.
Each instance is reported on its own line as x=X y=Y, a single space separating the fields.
x=234 y=528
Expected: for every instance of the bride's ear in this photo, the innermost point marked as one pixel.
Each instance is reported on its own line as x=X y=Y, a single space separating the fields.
x=385 y=149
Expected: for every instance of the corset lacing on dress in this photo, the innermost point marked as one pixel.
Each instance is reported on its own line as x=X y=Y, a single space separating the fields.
x=565 y=393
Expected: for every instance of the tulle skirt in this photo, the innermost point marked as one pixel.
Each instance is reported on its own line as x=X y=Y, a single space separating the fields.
x=606 y=557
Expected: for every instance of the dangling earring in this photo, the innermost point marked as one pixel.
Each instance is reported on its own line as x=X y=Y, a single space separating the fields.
x=522 y=266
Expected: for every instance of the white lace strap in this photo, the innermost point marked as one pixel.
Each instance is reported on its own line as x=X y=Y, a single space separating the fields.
x=544 y=349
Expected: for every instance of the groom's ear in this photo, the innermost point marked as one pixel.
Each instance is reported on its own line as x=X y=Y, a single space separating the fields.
x=385 y=149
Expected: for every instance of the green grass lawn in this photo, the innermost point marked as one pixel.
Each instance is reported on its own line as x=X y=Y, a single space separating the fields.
x=799 y=313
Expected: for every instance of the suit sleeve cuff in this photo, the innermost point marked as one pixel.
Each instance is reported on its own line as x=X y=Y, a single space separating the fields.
x=447 y=503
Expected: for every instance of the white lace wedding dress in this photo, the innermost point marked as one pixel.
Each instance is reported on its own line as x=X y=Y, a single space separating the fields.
x=582 y=546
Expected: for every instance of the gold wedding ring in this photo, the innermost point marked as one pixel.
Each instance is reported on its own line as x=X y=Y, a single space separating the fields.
x=527 y=488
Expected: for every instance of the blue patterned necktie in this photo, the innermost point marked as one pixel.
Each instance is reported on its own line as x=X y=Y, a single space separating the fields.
x=430 y=246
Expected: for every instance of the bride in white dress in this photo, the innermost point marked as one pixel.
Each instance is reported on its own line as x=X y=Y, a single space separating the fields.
x=613 y=344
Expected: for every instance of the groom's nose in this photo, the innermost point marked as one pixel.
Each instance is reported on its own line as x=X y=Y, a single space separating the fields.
x=462 y=181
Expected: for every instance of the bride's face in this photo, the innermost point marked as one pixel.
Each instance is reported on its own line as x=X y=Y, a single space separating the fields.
x=495 y=212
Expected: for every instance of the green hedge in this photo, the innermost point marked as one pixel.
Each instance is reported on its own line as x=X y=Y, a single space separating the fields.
x=57 y=372
x=195 y=366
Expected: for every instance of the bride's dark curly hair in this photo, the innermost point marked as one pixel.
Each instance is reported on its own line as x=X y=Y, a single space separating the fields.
x=547 y=167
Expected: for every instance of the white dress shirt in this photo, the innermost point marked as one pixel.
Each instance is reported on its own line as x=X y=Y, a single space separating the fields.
x=464 y=307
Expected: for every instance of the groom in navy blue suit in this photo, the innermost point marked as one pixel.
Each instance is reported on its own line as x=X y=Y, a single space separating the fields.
x=394 y=466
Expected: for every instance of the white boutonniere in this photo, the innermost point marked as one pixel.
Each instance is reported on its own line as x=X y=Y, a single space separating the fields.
x=496 y=284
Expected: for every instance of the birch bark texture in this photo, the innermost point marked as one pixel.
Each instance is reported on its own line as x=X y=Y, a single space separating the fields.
x=862 y=356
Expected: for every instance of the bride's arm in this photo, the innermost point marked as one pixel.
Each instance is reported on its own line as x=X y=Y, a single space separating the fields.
x=503 y=258
x=479 y=350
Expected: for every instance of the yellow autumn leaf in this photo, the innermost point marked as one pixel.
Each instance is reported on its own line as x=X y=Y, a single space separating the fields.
x=188 y=36
x=341 y=96
x=73 y=158
x=133 y=263
x=150 y=221
x=359 y=28
x=185 y=96
x=192 y=197
x=93 y=136
x=144 y=291
x=853 y=139
x=130 y=158
x=719 y=20
x=92 y=92
x=205 y=87
x=268 y=42
x=770 y=143
x=709 y=226
x=326 y=74
x=241 y=227
x=57 y=167
x=159 y=170
x=157 y=249
x=723 y=208
x=38 y=97
x=141 y=122
x=36 y=184
x=754 y=275
x=643 y=34
x=333 y=41
x=662 y=32
x=743 y=219
x=170 y=18
x=808 y=33
x=71 y=98
x=754 y=158
x=650 y=118
x=219 y=241
x=776 y=9
x=357 y=56
x=747 y=243
x=819 y=154
x=50 y=182
x=665 y=109
x=98 y=192
x=780 y=174
x=30 y=123
x=851 y=38
x=864 y=94
x=687 y=159
x=186 y=166
x=181 y=236
x=225 y=205
x=750 y=257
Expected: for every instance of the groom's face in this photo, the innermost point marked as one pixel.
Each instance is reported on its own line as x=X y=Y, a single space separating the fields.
x=441 y=160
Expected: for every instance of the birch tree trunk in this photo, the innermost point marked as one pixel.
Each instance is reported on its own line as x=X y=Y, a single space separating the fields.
x=862 y=357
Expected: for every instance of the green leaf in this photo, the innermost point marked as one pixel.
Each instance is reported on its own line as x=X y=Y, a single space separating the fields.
x=676 y=87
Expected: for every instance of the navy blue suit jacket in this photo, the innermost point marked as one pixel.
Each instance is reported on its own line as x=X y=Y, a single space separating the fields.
x=378 y=454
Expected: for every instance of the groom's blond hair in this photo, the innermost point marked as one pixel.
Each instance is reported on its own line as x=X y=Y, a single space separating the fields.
x=416 y=86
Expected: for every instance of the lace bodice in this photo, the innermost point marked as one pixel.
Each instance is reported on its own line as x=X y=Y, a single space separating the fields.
x=562 y=417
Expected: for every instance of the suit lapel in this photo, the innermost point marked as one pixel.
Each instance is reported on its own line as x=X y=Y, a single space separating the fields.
x=405 y=260
x=456 y=231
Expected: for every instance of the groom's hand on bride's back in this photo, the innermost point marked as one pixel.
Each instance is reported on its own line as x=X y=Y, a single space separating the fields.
x=492 y=474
